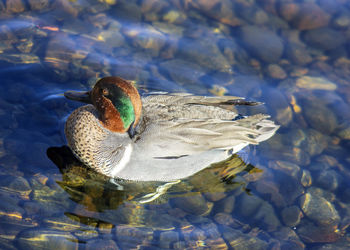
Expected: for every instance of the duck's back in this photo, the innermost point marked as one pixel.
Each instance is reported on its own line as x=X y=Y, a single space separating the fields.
x=182 y=134
x=196 y=123
x=188 y=106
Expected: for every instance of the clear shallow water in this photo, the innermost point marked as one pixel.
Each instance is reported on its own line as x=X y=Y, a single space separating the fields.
x=293 y=56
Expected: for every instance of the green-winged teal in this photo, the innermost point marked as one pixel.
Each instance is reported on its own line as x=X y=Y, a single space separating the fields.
x=159 y=137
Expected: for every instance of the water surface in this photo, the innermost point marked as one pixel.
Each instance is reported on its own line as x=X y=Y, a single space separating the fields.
x=290 y=192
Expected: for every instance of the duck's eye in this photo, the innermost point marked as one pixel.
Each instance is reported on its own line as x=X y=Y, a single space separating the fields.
x=105 y=92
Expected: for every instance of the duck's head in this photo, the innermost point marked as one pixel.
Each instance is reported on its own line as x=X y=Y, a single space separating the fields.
x=117 y=102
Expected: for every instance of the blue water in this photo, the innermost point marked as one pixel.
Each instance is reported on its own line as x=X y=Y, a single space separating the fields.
x=290 y=192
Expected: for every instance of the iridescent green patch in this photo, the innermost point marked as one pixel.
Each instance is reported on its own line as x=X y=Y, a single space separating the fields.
x=126 y=110
x=123 y=104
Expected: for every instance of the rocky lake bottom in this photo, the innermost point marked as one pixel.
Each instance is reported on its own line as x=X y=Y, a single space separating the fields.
x=290 y=192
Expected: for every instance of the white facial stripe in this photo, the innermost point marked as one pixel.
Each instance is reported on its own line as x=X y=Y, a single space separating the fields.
x=123 y=161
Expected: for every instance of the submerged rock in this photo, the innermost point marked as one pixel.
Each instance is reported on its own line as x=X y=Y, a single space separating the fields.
x=130 y=236
x=288 y=11
x=264 y=44
x=252 y=14
x=328 y=195
x=9 y=208
x=343 y=20
x=16 y=185
x=221 y=10
x=344 y=134
x=267 y=217
x=276 y=148
x=38 y=4
x=234 y=53
x=298 y=54
x=193 y=51
x=20 y=58
x=328 y=180
x=128 y=11
x=223 y=219
x=287 y=181
x=198 y=234
x=306 y=179
x=278 y=103
x=311 y=233
x=309 y=140
x=182 y=72
x=226 y=205
x=102 y=244
x=211 y=230
x=245 y=85
x=153 y=6
x=86 y=234
x=148 y=38
x=63 y=223
x=32 y=208
x=105 y=227
x=286 y=167
x=166 y=239
x=291 y=216
x=15 y=6
x=310 y=82
x=112 y=38
x=239 y=240
x=319 y=116
x=276 y=72
x=342 y=243
x=249 y=205
x=310 y=16
x=194 y=204
x=319 y=210
x=288 y=239
x=315 y=142
x=46 y=239
x=271 y=190
x=60 y=53
x=51 y=198
x=324 y=38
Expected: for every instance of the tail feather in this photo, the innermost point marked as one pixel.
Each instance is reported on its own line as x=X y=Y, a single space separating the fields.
x=218 y=134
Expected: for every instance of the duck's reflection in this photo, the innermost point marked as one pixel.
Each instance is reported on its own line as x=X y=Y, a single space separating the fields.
x=97 y=192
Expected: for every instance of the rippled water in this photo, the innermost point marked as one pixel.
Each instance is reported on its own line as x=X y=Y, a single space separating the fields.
x=290 y=192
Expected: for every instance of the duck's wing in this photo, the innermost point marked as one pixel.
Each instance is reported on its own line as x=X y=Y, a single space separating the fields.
x=180 y=137
x=164 y=98
x=181 y=105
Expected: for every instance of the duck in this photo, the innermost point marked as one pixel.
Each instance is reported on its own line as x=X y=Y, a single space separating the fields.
x=159 y=136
